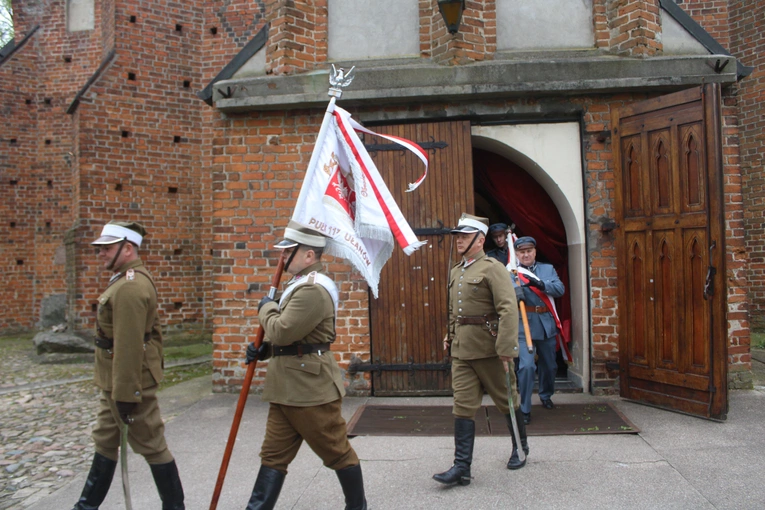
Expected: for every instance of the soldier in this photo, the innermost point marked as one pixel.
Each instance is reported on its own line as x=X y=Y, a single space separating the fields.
x=128 y=369
x=498 y=233
x=303 y=382
x=540 y=284
x=483 y=336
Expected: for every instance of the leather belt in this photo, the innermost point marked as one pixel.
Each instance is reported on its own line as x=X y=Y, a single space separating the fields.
x=299 y=349
x=477 y=319
x=104 y=342
x=537 y=309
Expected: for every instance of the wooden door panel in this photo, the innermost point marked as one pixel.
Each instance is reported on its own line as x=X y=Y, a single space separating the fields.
x=666 y=298
x=660 y=171
x=634 y=203
x=408 y=320
x=696 y=312
x=637 y=286
x=680 y=114
x=660 y=393
x=692 y=164
x=670 y=378
x=667 y=154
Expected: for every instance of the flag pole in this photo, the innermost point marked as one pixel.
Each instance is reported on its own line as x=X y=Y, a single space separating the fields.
x=243 y=396
x=338 y=79
x=512 y=266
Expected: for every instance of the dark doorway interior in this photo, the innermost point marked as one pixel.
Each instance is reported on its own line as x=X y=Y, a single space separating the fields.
x=505 y=192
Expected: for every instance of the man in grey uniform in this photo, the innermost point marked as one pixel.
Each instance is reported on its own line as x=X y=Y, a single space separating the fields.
x=540 y=283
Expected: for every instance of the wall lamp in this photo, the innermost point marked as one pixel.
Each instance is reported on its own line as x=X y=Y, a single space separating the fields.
x=451 y=11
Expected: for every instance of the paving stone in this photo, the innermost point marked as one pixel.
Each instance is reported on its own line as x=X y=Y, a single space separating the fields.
x=45 y=432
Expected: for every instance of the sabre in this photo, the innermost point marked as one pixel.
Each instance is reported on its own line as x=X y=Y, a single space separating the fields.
x=513 y=419
x=124 y=465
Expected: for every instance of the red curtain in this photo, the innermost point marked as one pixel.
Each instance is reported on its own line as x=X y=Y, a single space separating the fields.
x=525 y=203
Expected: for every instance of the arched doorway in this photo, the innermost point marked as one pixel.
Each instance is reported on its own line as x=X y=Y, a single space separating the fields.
x=505 y=192
x=550 y=158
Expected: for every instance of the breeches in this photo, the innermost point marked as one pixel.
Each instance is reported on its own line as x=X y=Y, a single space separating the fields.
x=146 y=435
x=322 y=427
x=471 y=377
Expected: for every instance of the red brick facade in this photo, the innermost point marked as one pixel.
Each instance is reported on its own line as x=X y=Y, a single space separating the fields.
x=748 y=44
x=216 y=190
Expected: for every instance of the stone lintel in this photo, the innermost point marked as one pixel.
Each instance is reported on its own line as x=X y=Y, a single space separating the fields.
x=485 y=80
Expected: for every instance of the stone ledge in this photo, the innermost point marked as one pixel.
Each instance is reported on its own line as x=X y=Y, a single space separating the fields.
x=484 y=80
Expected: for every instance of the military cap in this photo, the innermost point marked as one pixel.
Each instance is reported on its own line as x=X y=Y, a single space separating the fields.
x=497 y=227
x=469 y=224
x=297 y=233
x=525 y=240
x=117 y=231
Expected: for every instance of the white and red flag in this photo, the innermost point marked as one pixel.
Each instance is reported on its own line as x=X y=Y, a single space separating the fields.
x=344 y=196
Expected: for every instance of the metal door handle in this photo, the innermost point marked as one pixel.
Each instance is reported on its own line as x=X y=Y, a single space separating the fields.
x=709 y=284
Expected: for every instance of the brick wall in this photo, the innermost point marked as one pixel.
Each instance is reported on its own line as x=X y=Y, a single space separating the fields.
x=297 y=39
x=747 y=26
x=713 y=16
x=140 y=158
x=634 y=27
x=17 y=187
x=132 y=149
x=39 y=81
x=475 y=41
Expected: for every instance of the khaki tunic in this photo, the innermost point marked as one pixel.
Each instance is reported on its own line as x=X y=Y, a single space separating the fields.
x=127 y=310
x=131 y=370
x=476 y=288
x=307 y=316
x=306 y=391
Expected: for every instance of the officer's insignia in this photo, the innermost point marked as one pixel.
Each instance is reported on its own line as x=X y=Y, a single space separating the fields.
x=130 y=275
x=311 y=277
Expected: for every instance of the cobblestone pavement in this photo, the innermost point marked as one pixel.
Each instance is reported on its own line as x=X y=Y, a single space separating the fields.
x=46 y=415
x=45 y=427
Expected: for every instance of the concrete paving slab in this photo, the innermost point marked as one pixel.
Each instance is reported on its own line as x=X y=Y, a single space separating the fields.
x=675 y=462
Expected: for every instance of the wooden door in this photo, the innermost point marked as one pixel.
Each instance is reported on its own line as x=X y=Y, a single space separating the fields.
x=669 y=211
x=408 y=320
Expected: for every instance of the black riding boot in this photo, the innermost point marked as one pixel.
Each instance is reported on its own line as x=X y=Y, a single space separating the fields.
x=98 y=483
x=464 y=437
x=268 y=485
x=353 y=487
x=515 y=461
x=169 y=485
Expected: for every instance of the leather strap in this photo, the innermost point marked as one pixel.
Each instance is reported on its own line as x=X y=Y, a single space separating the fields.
x=477 y=319
x=299 y=349
x=537 y=309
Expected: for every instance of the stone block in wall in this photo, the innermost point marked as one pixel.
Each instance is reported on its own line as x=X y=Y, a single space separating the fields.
x=52 y=310
x=740 y=380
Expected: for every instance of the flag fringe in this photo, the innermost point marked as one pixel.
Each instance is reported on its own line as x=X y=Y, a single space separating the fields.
x=414 y=247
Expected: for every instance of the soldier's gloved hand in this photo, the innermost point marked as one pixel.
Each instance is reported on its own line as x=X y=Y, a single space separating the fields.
x=263 y=301
x=126 y=409
x=533 y=282
x=519 y=295
x=254 y=353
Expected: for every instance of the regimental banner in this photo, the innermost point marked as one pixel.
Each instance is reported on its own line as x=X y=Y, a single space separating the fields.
x=344 y=196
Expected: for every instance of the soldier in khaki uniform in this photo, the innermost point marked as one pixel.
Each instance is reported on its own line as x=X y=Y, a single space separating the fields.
x=303 y=382
x=483 y=338
x=128 y=370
